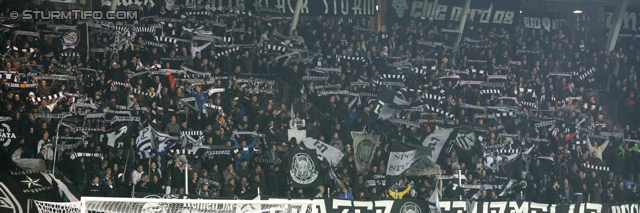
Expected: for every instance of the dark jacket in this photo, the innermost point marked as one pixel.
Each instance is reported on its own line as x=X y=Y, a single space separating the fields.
x=227 y=191
x=273 y=182
x=109 y=191
x=633 y=196
x=553 y=196
x=93 y=190
x=607 y=196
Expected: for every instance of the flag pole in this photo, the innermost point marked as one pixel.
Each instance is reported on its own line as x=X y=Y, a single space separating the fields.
x=55 y=147
x=87 y=37
x=460 y=178
x=186 y=176
x=439 y=185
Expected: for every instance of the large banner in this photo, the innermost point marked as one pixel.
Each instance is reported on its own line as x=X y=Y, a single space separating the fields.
x=416 y=206
x=543 y=20
x=629 y=23
x=484 y=12
x=331 y=205
x=309 y=7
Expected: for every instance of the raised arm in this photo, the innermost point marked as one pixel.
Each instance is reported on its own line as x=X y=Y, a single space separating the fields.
x=635 y=147
x=253 y=143
x=589 y=146
x=405 y=191
x=202 y=47
x=604 y=145
x=235 y=141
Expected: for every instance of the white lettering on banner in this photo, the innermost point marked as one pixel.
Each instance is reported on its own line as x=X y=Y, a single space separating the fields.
x=539 y=207
x=454 y=206
x=227 y=3
x=368 y=205
x=400 y=162
x=629 y=21
x=625 y=208
x=331 y=7
x=540 y=23
x=500 y=206
x=434 y=10
x=515 y=208
x=590 y=207
x=386 y=204
x=6 y=135
x=319 y=205
x=571 y=208
x=345 y=205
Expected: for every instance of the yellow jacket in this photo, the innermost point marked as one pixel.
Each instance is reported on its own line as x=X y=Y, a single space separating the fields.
x=400 y=194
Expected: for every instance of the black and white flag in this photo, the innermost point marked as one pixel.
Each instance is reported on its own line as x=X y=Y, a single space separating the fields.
x=189 y=139
x=406 y=159
x=152 y=140
x=435 y=142
x=328 y=152
x=389 y=104
x=364 y=146
x=465 y=143
x=119 y=136
x=304 y=168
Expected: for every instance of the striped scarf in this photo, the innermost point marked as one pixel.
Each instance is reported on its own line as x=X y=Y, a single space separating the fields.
x=143 y=29
x=86 y=154
x=489 y=91
x=50 y=97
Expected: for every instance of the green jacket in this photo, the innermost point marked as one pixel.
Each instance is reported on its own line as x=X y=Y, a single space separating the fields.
x=621 y=148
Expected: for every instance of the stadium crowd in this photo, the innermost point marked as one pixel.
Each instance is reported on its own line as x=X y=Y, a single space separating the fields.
x=556 y=75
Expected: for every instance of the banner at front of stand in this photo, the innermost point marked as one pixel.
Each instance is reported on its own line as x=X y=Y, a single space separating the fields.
x=544 y=20
x=331 y=205
x=482 y=12
x=630 y=24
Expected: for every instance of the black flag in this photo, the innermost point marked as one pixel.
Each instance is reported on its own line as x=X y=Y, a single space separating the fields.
x=304 y=168
x=464 y=141
x=119 y=136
